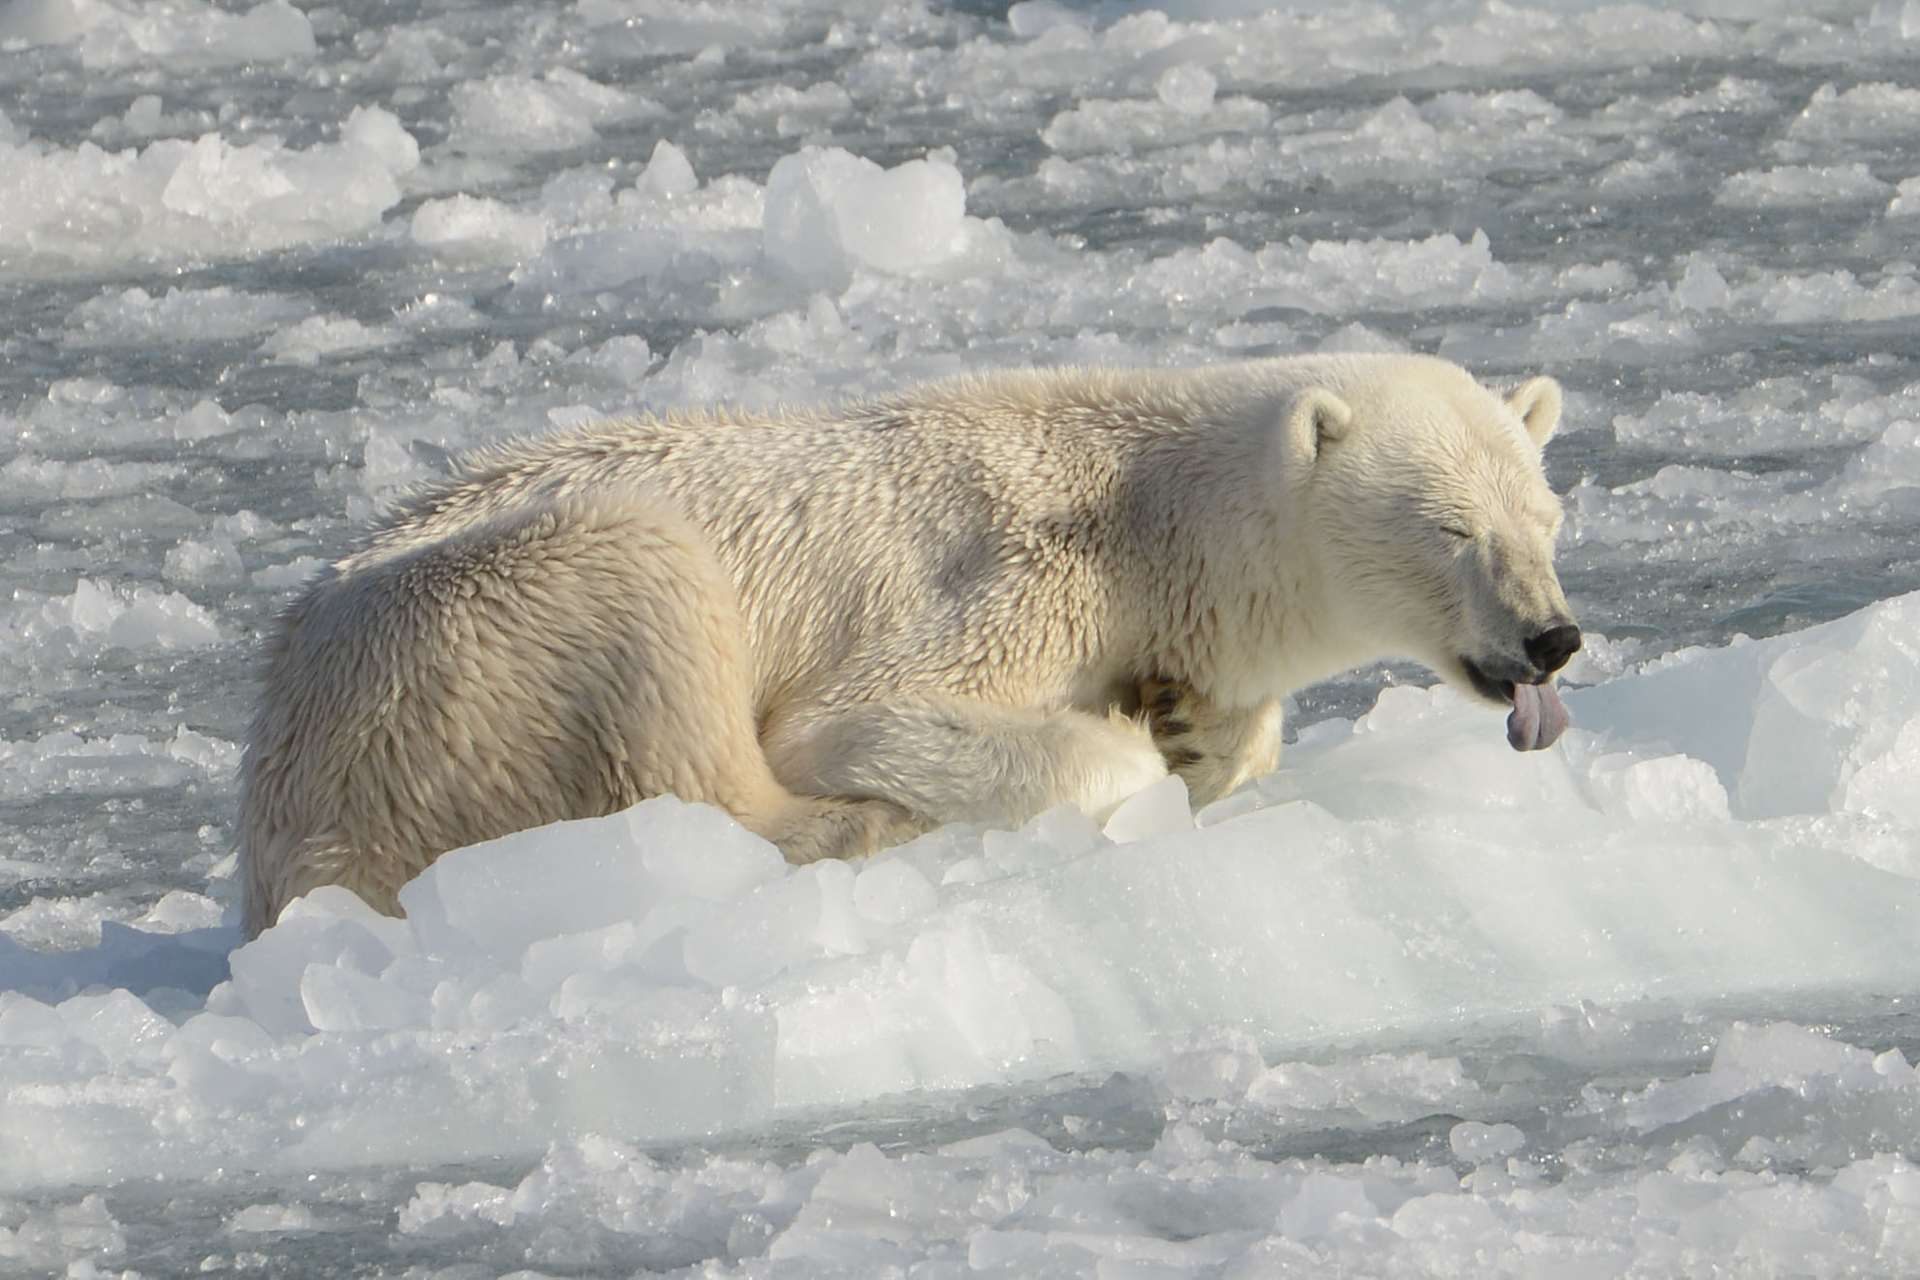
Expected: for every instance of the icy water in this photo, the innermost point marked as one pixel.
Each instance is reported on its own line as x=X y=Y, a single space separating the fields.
x=1411 y=1006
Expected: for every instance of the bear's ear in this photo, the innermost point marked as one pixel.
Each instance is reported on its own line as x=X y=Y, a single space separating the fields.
x=1537 y=401
x=1315 y=417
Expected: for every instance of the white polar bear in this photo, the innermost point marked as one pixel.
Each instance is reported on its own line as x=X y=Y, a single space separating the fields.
x=974 y=600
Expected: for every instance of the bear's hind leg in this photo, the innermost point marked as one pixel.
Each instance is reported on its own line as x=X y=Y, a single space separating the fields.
x=684 y=721
x=810 y=828
x=958 y=760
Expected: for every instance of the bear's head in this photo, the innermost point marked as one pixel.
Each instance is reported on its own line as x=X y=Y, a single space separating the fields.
x=1434 y=527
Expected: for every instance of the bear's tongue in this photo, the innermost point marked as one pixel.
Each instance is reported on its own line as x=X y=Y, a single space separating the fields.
x=1538 y=719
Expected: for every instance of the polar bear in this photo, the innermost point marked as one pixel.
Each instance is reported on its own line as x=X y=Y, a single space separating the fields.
x=970 y=601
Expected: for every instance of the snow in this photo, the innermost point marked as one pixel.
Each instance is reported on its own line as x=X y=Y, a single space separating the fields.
x=1411 y=1005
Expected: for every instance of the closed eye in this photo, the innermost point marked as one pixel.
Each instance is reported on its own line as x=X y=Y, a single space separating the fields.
x=1457 y=531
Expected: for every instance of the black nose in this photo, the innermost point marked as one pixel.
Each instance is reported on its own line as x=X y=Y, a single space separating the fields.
x=1550 y=649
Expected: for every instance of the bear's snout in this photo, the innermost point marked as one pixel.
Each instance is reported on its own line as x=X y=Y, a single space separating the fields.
x=1550 y=650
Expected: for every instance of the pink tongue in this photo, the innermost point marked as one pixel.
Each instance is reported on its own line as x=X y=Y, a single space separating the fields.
x=1538 y=719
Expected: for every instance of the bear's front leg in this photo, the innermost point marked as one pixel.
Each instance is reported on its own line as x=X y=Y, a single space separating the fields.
x=961 y=760
x=1213 y=748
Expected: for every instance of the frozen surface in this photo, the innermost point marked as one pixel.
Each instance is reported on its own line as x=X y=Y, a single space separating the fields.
x=1513 y=984
x=1413 y=1005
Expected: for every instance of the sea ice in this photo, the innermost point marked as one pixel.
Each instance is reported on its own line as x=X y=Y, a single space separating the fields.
x=668 y=173
x=1160 y=809
x=1412 y=1005
x=318 y=337
x=468 y=227
x=133 y=317
x=674 y=944
x=1477 y=1143
x=72 y=1237
x=113 y=34
x=205 y=199
x=1871 y=110
x=829 y=211
x=66 y=761
x=97 y=614
x=556 y=112
x=1801 y=185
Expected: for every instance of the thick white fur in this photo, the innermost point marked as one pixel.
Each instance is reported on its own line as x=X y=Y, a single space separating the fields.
x=974 y=600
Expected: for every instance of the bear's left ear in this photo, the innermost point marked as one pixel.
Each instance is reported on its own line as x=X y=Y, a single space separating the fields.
x=1537 y=401
x=1315 y=417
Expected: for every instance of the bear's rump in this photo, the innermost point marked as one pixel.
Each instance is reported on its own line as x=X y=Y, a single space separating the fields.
x=560 y=661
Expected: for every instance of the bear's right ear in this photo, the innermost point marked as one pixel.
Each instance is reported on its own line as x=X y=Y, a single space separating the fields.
x=1315 y=417
x=1537 y=401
